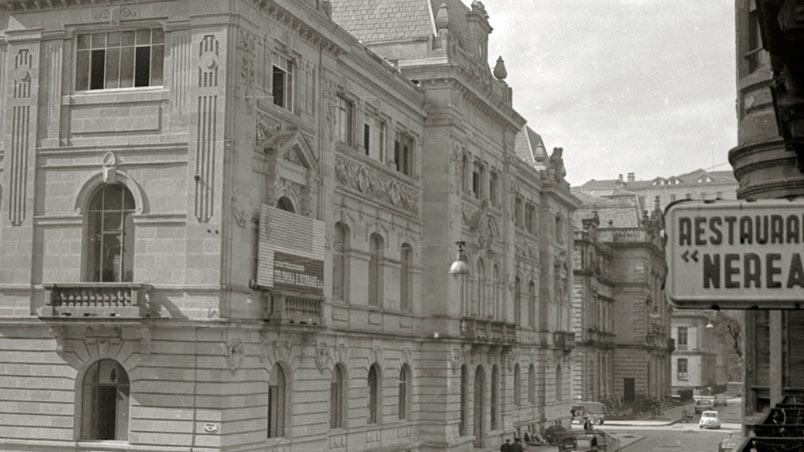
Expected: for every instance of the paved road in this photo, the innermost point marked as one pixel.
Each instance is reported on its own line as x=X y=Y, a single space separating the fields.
x=670 y=440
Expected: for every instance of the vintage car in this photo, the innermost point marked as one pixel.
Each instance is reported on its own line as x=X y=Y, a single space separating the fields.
x=592 y=441
x=709 y=419
x=720 y=400
x=702 y=405
x=594 y=410
x=729 y=443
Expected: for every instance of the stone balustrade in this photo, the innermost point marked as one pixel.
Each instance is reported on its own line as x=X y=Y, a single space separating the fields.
x=96 y=300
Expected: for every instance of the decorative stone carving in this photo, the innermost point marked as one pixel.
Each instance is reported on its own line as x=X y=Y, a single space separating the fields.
x=266 y=127
x=375 y=354
x=60 y=334
x=144 y=336
x=376 y=185
x=292 y=156
x=455 y=360
x=235 y=352
x=114 y=14
x=407 y=355
x=321 y=356
x=246 y=45
x=109 y=168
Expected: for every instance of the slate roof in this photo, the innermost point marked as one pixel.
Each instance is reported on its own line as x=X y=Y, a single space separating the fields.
x=384 y=20
x=529 y=147
x=687 y=179
x=622 y=212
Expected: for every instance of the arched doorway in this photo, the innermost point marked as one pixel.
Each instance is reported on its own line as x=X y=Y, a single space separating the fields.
x=479 y=405
x=285 y=204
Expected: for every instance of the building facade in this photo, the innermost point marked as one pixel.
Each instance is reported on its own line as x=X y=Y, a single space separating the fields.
x=695 y=363
x=228 y=226
x=593 y=315
x=767 y=162
x=699 y=185
x=620 y=274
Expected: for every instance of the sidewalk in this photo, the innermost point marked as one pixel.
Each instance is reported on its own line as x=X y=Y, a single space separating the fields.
x=669 y=417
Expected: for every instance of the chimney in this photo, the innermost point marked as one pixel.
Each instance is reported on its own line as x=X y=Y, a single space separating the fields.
x=630 y=177
x=620 y=177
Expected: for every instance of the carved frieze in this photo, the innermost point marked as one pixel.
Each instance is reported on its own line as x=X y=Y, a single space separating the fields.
x=266 y=127
x=376 y=185
x=235 y=352
x=246 y=47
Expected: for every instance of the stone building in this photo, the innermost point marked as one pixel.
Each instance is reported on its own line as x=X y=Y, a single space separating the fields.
x=695 y=363
x=620 y=314
x=698 y=184
x=768 y=162
x=229 y=225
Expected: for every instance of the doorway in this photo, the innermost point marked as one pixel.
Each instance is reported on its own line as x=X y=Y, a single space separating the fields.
x=628 y=389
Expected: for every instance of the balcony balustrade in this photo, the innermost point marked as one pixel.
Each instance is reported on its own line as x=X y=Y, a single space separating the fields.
x=488 y=331
x=563 y=340
x=96 y=301
x=295 y=309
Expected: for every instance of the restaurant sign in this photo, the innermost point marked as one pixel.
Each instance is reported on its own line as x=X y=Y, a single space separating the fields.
x=736 y=254
x=291 y=252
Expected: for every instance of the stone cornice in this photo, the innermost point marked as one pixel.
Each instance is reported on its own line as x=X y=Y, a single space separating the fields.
x=335 y=41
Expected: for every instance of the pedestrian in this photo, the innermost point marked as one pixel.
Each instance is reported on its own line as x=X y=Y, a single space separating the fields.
x=587 y=424
x=517 y=446
x=506 y=447
x=527 y=438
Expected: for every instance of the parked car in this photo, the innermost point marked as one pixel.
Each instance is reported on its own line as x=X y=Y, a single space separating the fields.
x=702 y=405
x=595 y=410
x=720 y=400
x=582 y=441
x=709 y=419
x=730 y=443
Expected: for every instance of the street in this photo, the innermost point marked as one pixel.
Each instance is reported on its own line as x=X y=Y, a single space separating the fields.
x=686 y=437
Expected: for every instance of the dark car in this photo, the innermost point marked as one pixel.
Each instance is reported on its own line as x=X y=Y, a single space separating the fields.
x=702 y=405
x=720 y=400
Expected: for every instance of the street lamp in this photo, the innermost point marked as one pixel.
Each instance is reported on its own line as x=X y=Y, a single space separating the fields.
x=460 y=267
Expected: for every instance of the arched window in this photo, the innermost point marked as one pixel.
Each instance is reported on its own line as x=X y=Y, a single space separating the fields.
x=104 y=405
x=518 y=211
x=375 y=270
x=284 y=203
x=494 y=303
x=340 y=263
x=480 y=295
x=463 y=427
x=495 y=409
x=405 y=278
x=518 y=300
x=277 y=414
x=559 y=383
x=532 y=384
x=559 y=232
x=404 y=391
x=373 y=393
x=517 y=385
x=532 y=304
x=337 y=401
x=110 y=235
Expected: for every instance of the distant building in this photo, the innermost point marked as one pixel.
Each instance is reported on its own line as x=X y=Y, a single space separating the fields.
x=698 y=184
x=695 y=359
x=621 y=316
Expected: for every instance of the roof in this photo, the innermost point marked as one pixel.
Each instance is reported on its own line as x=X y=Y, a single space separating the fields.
x=620 y=212
x=686 y=179
x=529 y=147
x=385 y=20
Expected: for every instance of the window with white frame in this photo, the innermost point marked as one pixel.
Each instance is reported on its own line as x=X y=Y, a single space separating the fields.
x=282 y=81
x=532 y=384
x=337 y=401
x=119 y=59
x=681 y=338
x=405 y=278
x=376 y=245
x=344 y=115
x=517 y=385
x=374 y=137
x=340 y=262
x=404 y=391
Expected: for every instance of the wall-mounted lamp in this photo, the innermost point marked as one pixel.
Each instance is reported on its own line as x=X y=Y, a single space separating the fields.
x=460 y=267
x=710 y=325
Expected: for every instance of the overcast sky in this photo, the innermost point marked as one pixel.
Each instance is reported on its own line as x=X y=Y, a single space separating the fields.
x=643 y=86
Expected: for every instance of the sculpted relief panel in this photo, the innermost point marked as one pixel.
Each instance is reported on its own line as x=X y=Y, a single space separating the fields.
x=380 y=187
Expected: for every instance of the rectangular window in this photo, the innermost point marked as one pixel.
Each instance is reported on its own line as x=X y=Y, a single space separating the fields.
x=403 y=154
x=119 y=59
x=282 y=81
x=493 y=188
x=476 y=183
x=754 y=42
x=374 y=137
x=344 y=114
x=682 y=368
x=681 y=338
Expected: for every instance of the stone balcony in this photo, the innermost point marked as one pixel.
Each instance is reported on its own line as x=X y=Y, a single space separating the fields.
x=96 y=301
x=564 y=340
x=488 y=331
x=302 y=310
